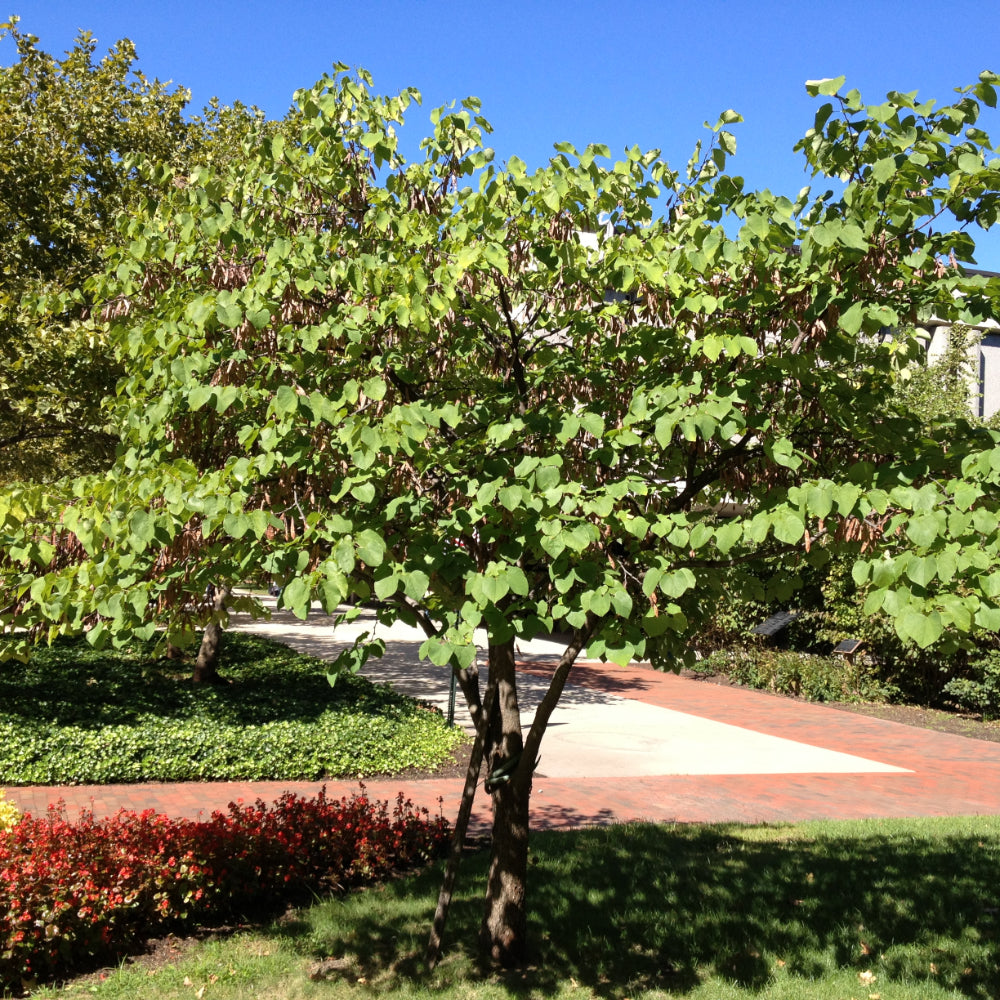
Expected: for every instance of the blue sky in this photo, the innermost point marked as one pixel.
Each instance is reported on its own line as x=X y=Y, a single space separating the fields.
x=621 y=73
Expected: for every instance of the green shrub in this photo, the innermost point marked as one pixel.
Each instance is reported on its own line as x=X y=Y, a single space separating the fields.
x=902 y=671
x=830 y=609
x=979 y=691
x=804 y=675
x=77 y=716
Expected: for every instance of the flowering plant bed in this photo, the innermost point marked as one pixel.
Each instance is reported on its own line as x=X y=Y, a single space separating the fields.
x=74 y=893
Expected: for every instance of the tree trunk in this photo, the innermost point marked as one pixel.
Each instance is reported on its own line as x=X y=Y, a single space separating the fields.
x=461 y=824
x=503 y=934
x=206 y=667
x=510 y=761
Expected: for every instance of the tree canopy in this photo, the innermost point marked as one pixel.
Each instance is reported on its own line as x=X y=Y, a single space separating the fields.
x=582 y=400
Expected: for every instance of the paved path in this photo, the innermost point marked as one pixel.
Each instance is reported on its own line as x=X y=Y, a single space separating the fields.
x=631 y=743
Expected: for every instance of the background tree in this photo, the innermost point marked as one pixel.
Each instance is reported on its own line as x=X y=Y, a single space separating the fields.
x=425 y=384
x=68 y=128
x=943 y=388
x=71 y=130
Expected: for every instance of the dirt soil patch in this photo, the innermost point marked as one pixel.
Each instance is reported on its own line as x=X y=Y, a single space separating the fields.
x=940 y=720
x=454 y=767
x=957 y=723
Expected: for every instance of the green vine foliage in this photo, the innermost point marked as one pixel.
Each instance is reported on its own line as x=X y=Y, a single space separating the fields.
x=76 y=715
x=943 y=388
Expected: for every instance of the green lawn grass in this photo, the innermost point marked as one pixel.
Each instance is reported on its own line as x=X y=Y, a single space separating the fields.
x=75 y=715
x=899 y=910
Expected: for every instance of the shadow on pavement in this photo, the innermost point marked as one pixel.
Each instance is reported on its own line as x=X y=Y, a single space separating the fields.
x=401 y=667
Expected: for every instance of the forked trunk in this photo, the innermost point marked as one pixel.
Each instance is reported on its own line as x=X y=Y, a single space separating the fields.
x=503 y=934
x=206 y=667
x=510 y=762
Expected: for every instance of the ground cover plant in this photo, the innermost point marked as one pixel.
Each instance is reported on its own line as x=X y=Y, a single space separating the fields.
x=75 y=891
x=897 y=909
x=73 y=715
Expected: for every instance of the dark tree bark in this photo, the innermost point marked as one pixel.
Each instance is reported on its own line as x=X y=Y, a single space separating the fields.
x=510 y=761
x=503 y=934
x=206 y=667
x=479 y=749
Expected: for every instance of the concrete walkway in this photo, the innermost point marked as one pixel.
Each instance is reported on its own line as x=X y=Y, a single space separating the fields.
x=632 y=743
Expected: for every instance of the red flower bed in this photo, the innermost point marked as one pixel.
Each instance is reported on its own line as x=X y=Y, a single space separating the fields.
x=72 y=893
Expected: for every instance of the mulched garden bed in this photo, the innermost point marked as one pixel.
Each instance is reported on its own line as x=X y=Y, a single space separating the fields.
x=940 y=720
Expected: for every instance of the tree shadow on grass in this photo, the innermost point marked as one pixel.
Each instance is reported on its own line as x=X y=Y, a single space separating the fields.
x=645 y=907
x=73 y=684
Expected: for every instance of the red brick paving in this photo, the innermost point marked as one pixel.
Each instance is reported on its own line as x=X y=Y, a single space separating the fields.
x=951 y=775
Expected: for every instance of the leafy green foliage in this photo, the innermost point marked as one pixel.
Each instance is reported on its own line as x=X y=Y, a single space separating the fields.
x=540 y=453
x=543 y=454
x=804 y=675
x=979 y=689
x=830 y=608
x=942 y=389
x=71 y=133
x=68 y=131
x=432 y=381
x=78 y=716
x=897 y=669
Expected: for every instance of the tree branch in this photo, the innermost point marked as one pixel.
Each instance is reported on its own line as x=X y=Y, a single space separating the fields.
x=548 y=703
x=467 y=677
